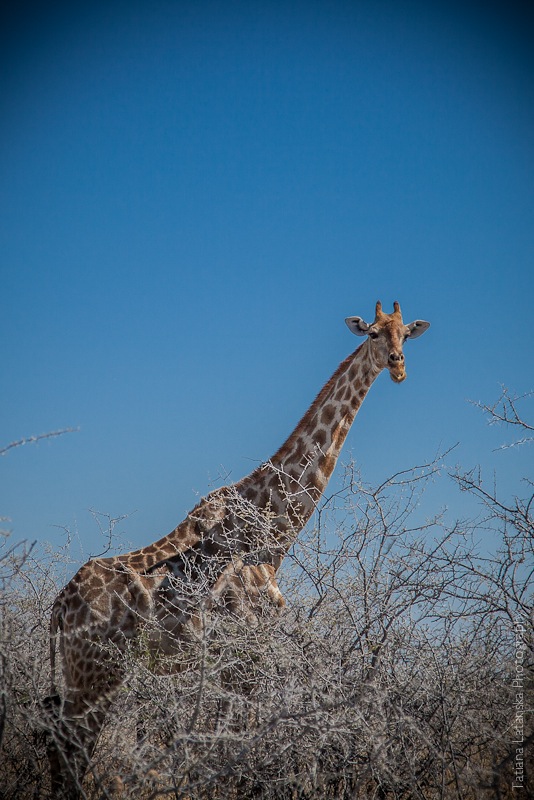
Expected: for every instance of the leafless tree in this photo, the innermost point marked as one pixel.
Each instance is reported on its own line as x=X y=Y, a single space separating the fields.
x=402 y=667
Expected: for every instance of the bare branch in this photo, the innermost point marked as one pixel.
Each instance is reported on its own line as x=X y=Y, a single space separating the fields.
x=34 y=439
x=505 y=411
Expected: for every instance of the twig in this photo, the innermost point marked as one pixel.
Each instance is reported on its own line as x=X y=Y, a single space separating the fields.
x=34 y=439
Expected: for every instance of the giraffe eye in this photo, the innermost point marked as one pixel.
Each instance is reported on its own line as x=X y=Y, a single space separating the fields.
x=373 y=334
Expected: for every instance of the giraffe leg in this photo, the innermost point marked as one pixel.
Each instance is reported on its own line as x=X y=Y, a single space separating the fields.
x=74 y=730
x=51 y=707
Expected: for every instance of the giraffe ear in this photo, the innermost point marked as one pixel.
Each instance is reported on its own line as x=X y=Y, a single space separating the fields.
x=417 y=328
x=357 y=325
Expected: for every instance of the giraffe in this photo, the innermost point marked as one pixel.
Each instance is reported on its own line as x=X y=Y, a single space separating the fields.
x=223 y=558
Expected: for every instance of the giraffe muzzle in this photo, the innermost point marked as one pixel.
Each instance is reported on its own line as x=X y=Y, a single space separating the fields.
x=398 y=375
x=396 y=367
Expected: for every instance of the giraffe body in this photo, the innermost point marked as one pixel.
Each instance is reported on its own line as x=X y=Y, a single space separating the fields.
x=222 y=558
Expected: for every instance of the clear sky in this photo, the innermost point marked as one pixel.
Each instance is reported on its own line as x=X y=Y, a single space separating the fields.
x=193 y=198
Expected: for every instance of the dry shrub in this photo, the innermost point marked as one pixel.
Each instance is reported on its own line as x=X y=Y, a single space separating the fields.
x=402 y=667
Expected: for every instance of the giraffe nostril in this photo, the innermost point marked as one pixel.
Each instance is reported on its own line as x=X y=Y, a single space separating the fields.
x=396 y=357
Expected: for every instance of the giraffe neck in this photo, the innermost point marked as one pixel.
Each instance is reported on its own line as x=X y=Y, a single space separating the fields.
x=296 y=476
x=281 y=495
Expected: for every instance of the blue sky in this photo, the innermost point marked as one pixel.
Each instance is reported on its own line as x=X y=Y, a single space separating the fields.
x=195 y=195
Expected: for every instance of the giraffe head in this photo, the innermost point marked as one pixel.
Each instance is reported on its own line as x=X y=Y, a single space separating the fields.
x=387 y=335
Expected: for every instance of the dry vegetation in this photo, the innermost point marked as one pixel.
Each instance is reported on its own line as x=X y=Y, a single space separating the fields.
x=402 y=667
